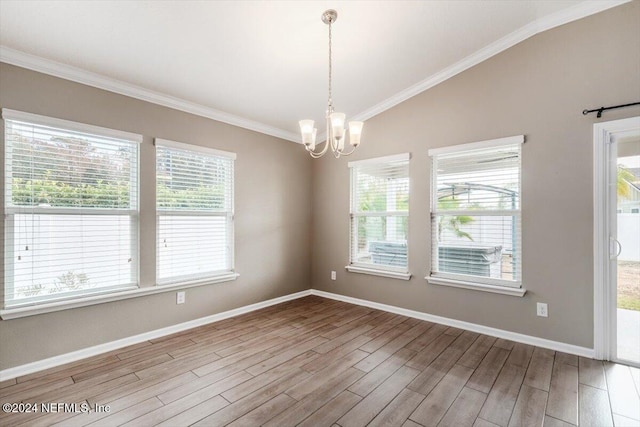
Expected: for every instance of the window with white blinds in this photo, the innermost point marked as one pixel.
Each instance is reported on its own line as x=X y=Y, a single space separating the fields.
x=380 y=213
x=475 y=213
x=71 y=209
x=194 y=206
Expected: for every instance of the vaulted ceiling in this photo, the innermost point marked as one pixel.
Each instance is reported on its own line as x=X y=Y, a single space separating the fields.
x=263 y=64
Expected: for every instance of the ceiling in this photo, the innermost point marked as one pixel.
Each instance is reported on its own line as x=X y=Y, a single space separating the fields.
x=262 y=65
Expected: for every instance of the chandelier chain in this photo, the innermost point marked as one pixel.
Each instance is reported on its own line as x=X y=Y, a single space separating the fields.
x=330 y=101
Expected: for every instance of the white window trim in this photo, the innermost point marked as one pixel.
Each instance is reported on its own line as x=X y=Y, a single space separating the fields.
x=392 y=158
x=190 y=147
x=37 y=304
x=440 y=278
x=33 y=308
x=489 y=143
x=505 y=290
x=479 y=280
x=36 y=119
x=355 y=267
x=18 y=311
x=212 y=277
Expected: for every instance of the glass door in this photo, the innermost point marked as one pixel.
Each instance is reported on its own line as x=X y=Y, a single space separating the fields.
x=625 y=242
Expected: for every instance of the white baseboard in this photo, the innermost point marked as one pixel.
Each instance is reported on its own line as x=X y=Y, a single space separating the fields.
x=474 y=327
x=73 y=356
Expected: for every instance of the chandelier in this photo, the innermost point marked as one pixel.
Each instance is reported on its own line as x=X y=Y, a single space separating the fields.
x=335 y=121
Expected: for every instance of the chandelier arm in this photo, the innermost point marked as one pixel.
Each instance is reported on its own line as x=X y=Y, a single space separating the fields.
x=318 y=154
x=342 y=153
x=326 y=147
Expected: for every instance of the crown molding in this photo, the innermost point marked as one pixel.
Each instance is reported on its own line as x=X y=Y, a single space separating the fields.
x=579 y=11
x=78 y=75
x=57 y=69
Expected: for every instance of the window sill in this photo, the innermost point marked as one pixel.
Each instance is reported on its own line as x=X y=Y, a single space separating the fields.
x=514 y=292
x=18 y=311
x=382 y=273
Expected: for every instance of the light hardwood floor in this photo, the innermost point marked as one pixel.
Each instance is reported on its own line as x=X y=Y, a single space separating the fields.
x=319 y=362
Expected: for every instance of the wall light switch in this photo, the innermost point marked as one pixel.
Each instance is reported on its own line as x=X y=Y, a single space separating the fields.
x=333 y=275
x=180 y=297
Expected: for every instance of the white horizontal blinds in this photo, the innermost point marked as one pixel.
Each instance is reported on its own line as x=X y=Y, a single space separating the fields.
x=194 y=193
x=71 y=206
x=379 y=213
x=475 y=219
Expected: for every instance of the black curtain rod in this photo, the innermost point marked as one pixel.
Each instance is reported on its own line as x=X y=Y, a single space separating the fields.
x=601 y=109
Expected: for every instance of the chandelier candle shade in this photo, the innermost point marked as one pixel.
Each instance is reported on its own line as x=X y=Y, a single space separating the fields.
x=335 y=121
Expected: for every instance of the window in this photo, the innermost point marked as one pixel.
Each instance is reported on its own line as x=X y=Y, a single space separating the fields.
x=194 y=206
x=475 y=214
x=71 y=209
x=379 y=216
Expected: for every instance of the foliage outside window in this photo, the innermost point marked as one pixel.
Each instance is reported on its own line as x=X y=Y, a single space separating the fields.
x=194 y=205
x=380 y=213
x=475 y=218
x=71 y=209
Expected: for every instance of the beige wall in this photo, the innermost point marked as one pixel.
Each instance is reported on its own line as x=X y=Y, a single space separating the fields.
x=272 y=205
x=537 y=88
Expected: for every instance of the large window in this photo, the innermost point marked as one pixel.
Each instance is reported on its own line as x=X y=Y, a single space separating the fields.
x=379 y=216
x=71 y=209
x=194 y=206
x=475 y=213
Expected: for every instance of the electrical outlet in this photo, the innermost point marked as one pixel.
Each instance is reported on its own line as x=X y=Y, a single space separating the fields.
x=333 y=275
x=543 y=310
x=180 y=297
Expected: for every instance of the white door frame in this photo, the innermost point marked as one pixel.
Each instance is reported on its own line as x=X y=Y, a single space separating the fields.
x=604 y=196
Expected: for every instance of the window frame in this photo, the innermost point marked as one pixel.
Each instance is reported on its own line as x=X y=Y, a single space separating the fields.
x=10 y=304
x=474 y=282
x=104 y=294
x=369 y=268
x=224 y=275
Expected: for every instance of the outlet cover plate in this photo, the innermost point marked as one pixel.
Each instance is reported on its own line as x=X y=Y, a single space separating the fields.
x=542 y=309
x=180 y=297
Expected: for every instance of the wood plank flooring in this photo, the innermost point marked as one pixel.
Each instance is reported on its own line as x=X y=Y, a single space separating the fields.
x=319 y=362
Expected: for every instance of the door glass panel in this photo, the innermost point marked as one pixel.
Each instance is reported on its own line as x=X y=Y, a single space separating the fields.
x=628 y=246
